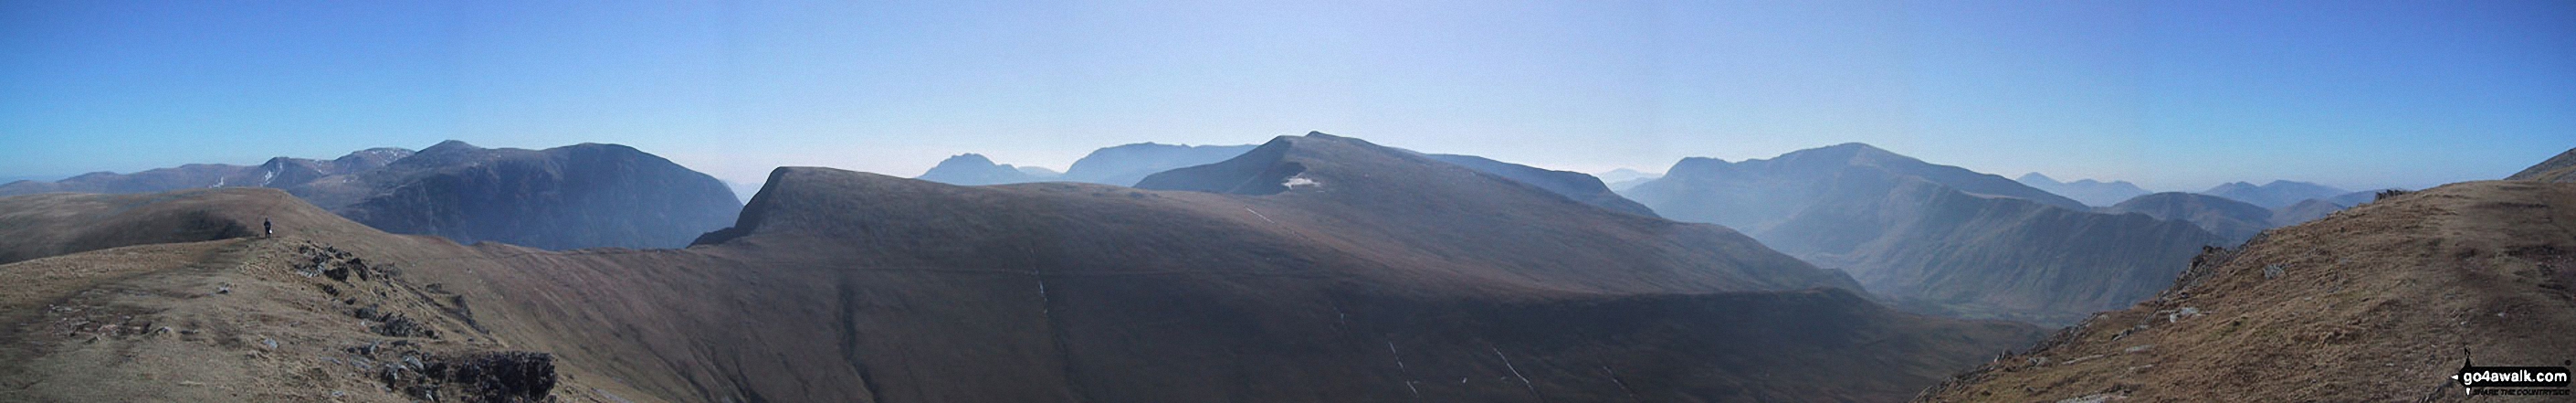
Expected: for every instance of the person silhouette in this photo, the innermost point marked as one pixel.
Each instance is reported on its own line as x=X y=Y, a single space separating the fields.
x=266 y=229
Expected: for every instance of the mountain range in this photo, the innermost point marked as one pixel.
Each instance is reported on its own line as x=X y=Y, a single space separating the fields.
x=2276 y=194
x=1120 y=165
x=2091 y=192
x=1378 y=275
x=1937 y=238
x=579 y=196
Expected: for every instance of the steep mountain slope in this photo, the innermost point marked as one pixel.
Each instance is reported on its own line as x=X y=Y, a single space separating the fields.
x=1126 y=164
x=1573 y=185
x=280 y=172
x=578 y=196
x=1930 y=245
x=2091 y=192
x=2233 y=220
x=971 y=169
x=2382 y=302
x=1391 y=277
x=2274 y=195
x=2561 y=169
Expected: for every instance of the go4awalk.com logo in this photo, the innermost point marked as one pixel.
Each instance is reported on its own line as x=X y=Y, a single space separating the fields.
x=2512 y=381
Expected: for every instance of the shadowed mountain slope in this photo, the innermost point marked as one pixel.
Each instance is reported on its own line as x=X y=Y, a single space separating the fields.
x=846 y=286
x=2561 y=169
x=578 y=196
x=2091 y=192
x=1574 y=185
x=2383 y=302
x=2274 y=195
x=1911 y=235
x=2230 y=219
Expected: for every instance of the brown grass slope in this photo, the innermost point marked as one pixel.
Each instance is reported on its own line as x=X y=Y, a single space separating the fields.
x=844 y=286
x=2380 y=302
x=230 y=319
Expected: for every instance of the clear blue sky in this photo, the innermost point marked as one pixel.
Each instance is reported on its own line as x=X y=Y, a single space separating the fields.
x=2175 y=95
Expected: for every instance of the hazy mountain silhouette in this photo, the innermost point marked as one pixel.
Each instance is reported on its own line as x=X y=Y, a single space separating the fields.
x=971 y=169
x=1384 y=275
x=1573 y=185
x=2274 y=195
x=2383 y=302
x=2091 y=192
x=280 y=172
x=580 y=196
x=2561 y=168
x=1905 y=229
x=2234 y=220
x=1126 y=164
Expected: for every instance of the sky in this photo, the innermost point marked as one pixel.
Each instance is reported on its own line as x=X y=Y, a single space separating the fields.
x=2172 y=95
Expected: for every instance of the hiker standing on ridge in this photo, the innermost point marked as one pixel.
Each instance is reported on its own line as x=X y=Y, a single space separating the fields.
x=266 y=229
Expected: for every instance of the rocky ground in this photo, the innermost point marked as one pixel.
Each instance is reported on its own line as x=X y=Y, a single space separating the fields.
x=251 y=319
x=2382 y=302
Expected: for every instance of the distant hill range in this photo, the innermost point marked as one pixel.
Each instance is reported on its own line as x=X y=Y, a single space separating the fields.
x=2561 y=169
x=1940 y=238
x=2384 y=302
x=579 y=196
x=2091 y=192
x=1311 y=269
x=2274 y=195
x=1120 y=165
x=1576 y=185
x=1620 y=180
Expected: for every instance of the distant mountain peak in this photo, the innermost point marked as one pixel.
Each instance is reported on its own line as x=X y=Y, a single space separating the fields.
x=450 y=145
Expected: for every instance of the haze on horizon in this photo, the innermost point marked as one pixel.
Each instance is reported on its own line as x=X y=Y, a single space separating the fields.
x=2171 y=95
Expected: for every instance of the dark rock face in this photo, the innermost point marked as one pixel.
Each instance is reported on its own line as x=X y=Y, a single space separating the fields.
x=1128 y=164
x=1937 y=238
x=1573 y=185
x=580 y=196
